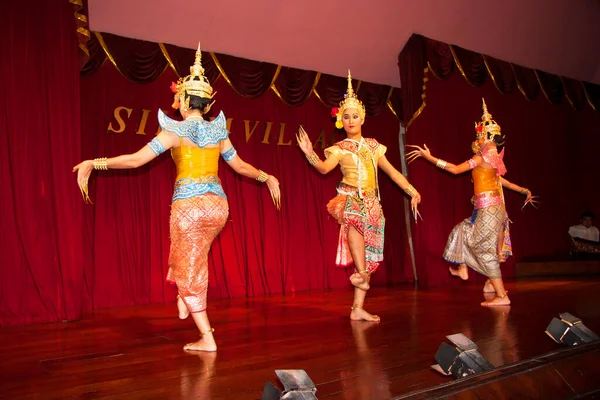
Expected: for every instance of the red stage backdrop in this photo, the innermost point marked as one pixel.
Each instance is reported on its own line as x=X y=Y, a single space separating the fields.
x=260 y=251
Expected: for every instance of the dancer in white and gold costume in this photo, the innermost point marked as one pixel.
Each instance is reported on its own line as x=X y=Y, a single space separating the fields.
x=356 y=207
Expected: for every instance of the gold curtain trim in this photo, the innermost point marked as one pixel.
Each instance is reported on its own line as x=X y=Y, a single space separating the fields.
x=460 y=68
x=567 y=93
x=588 y=97
x=277 y=71
x=106 y=51
x=519 y=83
x=389 y=103
x=112 y=60
x=423 y=96
x=321 y=100
x=487 y=67
x=274 y=89
x=224 y=75
x=81 y=29
x=432 y=71
x=542 y=86
x=318 y=96
x=168 y=58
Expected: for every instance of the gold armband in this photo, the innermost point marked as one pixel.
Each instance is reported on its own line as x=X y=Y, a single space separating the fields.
x=441 y=163
x=411 y=191
x=313 y=158
x=101 y=163
x=262 y=176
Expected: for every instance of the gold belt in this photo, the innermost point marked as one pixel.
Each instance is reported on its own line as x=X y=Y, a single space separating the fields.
x=353 y=190
x=369 y=193
x=200 y=179
x=491 y=193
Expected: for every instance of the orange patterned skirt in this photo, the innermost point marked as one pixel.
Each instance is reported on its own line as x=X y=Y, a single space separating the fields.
x=366 y=216
x=195 y=222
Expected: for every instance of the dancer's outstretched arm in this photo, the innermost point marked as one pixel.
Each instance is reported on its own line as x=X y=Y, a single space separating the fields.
x=524 y=191
x=307 y=148
x=452 y=168
x=401 y=181
x=162 y=142
x=247 y=170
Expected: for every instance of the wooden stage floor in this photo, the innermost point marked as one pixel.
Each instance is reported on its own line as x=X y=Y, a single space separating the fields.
x=136 y=352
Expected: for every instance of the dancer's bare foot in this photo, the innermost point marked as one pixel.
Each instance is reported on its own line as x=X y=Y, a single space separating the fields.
x=359 y=281
x=359 y=314
x=462 y=272
x=182 y=308
x=206 y=343
x=488 y=287
x=497 y=301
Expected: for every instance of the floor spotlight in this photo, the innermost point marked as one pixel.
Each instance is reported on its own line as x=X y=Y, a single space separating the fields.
x=570 y=330
x=297 y=385
x=462 y=359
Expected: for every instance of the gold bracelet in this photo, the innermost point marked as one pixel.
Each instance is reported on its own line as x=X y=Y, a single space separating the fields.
x=411 y=191
x=441 y=163
x=262 y=176
x=101 y=163
x=313 y=158
x=524 y=191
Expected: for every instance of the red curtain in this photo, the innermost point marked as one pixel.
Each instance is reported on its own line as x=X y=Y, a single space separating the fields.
x=550 y=149
x=41 y=278
x=260 y=251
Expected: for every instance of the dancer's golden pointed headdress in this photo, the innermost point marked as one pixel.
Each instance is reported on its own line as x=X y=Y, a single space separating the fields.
x=195 y=84
x=350 y=101
x=487 y=128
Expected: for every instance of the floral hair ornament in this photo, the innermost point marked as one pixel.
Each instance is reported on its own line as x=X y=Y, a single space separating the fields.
x=195 y=84
x=350 y=101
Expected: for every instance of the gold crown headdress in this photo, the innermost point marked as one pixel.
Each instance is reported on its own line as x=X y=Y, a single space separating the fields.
x=487 y=128
x=350 y=101
x=195 y=84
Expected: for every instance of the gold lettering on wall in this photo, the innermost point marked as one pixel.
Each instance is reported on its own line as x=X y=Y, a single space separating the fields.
x=267 y=133
x=120 y=121
x=281 y=133
x=247 y=130
x=142 y=127
x=321 y=139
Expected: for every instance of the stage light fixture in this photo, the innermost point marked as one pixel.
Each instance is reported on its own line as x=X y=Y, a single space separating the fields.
x=570 y=330
x=462 y=359
x=297 y=385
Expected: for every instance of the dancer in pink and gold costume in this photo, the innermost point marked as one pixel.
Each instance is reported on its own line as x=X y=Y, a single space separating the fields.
x=356 y=207
x=482 y=241
x=199 y=209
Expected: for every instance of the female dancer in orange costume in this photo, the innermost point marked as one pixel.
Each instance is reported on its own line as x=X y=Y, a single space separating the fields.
x=199 y=209
x=482 y=241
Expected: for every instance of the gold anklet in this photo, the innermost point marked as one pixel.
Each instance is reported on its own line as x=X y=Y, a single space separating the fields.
x=207 y=332
x=355 y=307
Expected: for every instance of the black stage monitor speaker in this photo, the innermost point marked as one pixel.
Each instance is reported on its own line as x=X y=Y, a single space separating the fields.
x=297 y=385
x=570 y=330
x=462 y=359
